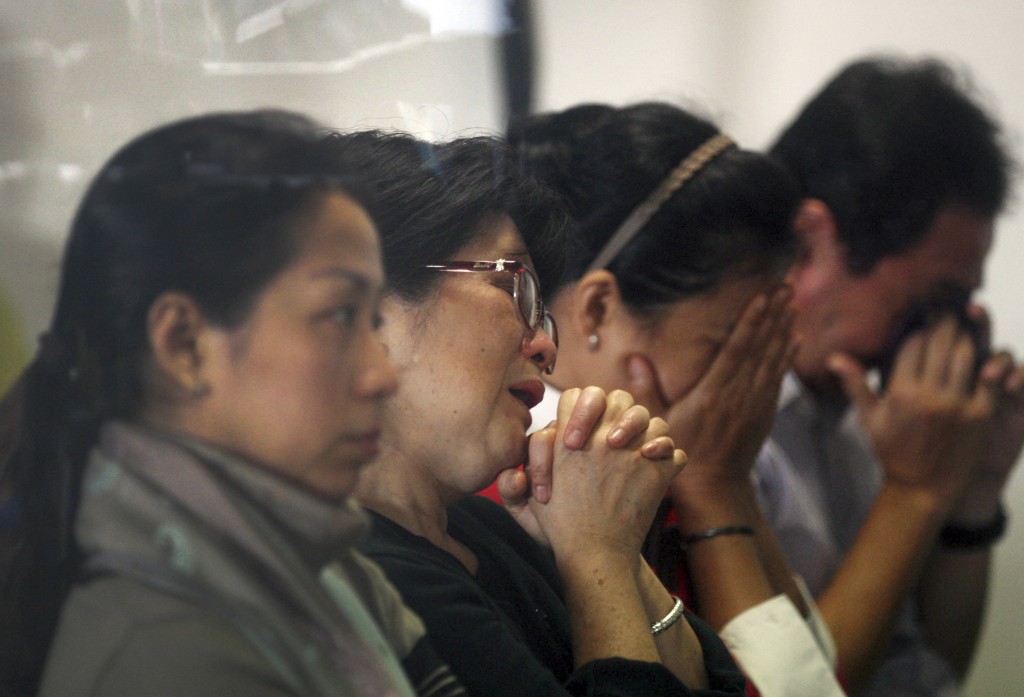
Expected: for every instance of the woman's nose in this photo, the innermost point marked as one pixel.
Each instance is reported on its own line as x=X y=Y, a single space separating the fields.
x=378 y=379
x=541 y=349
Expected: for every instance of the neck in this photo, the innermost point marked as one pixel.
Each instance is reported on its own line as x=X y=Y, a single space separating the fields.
x=402 y=491
x=570 y=368
x=576 y=366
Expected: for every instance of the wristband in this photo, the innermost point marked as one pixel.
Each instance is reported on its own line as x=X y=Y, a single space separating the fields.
x=715 y=532
x=668 y=620
x=955 y=536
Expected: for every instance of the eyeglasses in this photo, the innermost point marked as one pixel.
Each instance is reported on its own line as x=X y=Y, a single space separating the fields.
x=525 y=290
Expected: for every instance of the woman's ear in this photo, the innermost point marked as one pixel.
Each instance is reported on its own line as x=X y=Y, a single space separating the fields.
x=597 y=302
x=588 y=313
x=176 y=328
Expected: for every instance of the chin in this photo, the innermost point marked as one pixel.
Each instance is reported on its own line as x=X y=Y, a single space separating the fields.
x=515 y=453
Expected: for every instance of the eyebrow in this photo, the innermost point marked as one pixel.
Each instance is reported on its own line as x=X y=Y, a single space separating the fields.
x=357 y=279
x=520 y=254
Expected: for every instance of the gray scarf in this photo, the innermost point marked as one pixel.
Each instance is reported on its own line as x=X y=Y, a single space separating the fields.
x=274 y=559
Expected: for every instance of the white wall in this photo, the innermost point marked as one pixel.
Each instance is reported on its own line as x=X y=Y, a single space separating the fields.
x=76 y=80
x=752 y=64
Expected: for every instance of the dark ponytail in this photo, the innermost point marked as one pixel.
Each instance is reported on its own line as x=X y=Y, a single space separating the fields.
x=204 y=207
x=46 y=423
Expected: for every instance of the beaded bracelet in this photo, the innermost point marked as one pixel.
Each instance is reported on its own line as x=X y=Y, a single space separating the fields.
x=668 y=620
x=715 y=532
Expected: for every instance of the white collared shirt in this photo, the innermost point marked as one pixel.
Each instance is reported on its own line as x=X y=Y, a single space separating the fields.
x=780 y=652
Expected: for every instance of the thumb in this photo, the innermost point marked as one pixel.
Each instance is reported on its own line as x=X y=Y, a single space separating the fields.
x=642 y=383
x=513 y=487
x=854 y=379
x=989 y=387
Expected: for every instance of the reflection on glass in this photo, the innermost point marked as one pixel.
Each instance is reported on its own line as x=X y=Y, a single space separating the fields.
x=78 y=79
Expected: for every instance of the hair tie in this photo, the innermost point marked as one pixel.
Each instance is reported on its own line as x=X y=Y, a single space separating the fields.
x=689 y=166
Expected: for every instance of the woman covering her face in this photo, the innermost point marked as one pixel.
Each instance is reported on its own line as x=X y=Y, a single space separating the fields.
x=183 y=446
x=673 y=291
x=554 y=598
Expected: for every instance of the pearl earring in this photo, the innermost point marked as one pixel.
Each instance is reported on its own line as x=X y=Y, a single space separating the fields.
x=592 y=342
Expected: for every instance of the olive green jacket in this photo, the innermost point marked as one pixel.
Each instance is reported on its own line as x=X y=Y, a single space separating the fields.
x=208 y=575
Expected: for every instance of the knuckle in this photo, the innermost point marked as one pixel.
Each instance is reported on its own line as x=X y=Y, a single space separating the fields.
x=620 y=397
x=659 y=424
x=639 y=412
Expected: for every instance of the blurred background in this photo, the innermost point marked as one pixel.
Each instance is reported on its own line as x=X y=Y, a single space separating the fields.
x=80 y=77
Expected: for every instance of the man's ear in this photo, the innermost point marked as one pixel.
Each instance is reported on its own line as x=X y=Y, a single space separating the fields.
x=176 y=328
x=822 y=256
x=816 y=230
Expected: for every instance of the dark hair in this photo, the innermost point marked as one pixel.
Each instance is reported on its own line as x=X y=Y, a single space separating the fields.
x=203 y=206
x=731 y=219
x=431 y=200
x=887 y=144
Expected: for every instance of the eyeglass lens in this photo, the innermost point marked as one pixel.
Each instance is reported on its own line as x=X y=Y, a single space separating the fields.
x=528 y=298
x=549 y=327
x=530 y=306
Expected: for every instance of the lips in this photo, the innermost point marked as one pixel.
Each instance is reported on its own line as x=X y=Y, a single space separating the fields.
x=529 y=392
x=367 y=442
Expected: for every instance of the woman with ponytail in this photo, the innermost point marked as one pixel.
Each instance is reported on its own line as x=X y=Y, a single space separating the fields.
x=177 y=459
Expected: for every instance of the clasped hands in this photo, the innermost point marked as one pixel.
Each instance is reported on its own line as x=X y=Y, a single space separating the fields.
x=596 y=475
x=721 y=420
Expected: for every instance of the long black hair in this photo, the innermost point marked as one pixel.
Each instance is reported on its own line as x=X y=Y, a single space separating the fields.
x=203 y=206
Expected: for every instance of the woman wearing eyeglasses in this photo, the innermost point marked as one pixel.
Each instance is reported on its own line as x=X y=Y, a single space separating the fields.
x=555 y=600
